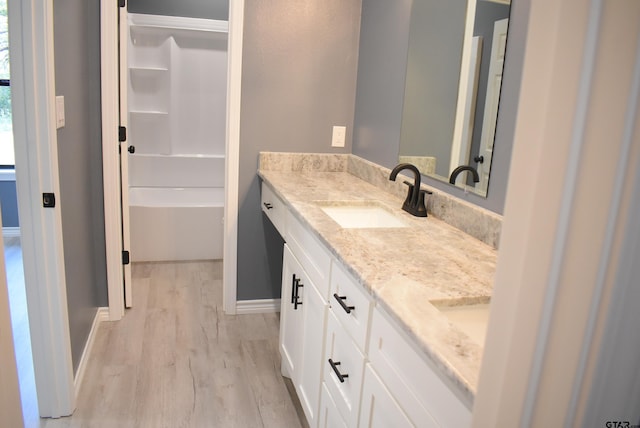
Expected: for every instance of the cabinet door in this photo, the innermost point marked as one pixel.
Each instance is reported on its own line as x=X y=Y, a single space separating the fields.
x=380 y=410
x=314 y=310
x=328 y=415
x=343 y=369
x=291 y=326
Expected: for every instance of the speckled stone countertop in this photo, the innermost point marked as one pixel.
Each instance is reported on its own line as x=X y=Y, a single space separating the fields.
x=404 y=269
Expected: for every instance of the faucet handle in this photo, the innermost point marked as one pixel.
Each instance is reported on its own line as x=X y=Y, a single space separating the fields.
x=407 y=201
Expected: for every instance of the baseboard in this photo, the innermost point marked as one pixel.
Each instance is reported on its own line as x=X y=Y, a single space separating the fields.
x=101 y=315
x=11 y=232
x=262 y=306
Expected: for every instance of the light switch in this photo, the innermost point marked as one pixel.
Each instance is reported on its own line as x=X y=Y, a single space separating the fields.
x=339 y=134
x=59 y=111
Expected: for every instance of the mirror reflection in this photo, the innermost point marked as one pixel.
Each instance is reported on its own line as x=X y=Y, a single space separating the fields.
x=454 y=75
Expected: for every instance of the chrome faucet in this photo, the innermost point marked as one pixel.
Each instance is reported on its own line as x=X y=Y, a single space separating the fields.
x=414 y=204
x=458 y=170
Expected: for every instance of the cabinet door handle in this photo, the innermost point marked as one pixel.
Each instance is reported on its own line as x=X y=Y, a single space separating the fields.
x=293 y=288
x=341 y=300
x=334 y=366
x=267 y=205
x=297 y=302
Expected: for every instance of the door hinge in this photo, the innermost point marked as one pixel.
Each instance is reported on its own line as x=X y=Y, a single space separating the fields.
x=122 y=133
x=122 y=3
x=125 y=258
x=49 y=200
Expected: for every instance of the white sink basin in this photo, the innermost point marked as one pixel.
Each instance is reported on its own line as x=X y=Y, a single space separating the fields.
x=470 y=319
x=362 y=216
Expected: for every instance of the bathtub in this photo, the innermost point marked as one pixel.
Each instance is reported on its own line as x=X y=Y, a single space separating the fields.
x=171 y=223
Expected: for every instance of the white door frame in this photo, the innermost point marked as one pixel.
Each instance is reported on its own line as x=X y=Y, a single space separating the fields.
x=33 y=106
x=232 y=162
x=111 y=174
x=109 y=11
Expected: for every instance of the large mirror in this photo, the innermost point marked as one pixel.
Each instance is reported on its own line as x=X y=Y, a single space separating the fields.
x=453 y=81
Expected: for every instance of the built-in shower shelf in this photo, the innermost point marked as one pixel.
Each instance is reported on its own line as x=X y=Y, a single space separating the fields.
x=148 y=69
x=142 y=22
x=149 y=112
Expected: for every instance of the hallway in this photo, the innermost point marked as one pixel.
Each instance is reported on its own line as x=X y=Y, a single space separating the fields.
x=176 y=360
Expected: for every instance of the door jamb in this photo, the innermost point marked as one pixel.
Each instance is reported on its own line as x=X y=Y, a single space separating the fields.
x=33 y=105
x=109 y=11
x=232 y=159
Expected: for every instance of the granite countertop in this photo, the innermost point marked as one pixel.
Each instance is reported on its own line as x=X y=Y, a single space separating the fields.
x=404 y=269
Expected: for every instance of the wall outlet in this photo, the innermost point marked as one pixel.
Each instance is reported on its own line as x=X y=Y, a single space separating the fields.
x=59 y=111
x=339 y=134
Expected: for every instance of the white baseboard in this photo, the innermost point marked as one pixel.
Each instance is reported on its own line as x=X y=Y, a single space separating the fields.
x=11 y=232
x=101 y=315
x=262 y=306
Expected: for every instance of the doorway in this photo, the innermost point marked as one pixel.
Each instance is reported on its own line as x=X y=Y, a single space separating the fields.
x=230 y=160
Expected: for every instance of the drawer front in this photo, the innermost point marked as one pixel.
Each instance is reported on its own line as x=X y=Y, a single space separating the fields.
x=380 y=408
x=410 y=377
x=350 y=304
x=313 y=256
x=343 y=358
x=329 y=416
x=274 y=208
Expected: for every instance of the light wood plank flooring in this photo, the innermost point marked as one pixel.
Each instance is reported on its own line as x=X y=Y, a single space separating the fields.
x=20 y=327
x=176 y=360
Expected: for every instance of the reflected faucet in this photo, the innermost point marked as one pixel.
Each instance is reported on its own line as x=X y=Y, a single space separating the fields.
x=414 y=204
x=458 y=170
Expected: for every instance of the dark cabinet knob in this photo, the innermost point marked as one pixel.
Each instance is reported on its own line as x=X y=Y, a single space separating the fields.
x=131 y=149
x=478 y=159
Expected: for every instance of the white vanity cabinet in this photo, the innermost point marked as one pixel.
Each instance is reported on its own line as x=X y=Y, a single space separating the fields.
x=351 y=364
x=411 y=385
x=304 y=306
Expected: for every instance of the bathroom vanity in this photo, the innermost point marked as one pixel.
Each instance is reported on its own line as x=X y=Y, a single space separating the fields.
x=382 y=313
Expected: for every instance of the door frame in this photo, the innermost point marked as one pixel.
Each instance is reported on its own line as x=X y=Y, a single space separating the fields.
x=33 y=108
x=111 y=173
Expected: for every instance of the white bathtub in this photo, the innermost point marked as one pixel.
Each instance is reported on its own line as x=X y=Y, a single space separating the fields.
x=176 y=223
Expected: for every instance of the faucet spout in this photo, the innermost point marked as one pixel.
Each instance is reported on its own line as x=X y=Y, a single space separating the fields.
x=458 y=170
x=414 y=203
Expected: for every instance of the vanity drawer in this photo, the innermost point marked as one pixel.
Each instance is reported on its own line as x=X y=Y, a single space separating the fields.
x=313 y=256
x=274 y=208
x=350 y=304
x=410 y=377
x=342 y=357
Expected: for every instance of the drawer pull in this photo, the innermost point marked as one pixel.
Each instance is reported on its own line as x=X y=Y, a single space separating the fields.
x=296 y=301
x=334 y=366
x=341 y=300
x=267 y=205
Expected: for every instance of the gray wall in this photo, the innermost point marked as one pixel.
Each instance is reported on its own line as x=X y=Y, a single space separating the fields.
x=384 y=43
x=377 y=96
x=430 y=98
x=77 y=68
x=209 y=9
x=298 y=80
x=9 y=201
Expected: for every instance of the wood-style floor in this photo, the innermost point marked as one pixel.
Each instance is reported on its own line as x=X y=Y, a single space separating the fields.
x=176 y=360
x=20 y=327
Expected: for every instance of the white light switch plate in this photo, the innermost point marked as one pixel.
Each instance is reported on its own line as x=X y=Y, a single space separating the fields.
x=339 y=134
x=59 y=111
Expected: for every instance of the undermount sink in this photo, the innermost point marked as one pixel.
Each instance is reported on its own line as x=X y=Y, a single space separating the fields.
x=361 y=215
x=471 y=319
